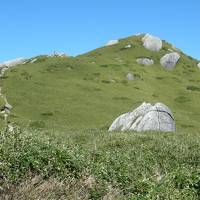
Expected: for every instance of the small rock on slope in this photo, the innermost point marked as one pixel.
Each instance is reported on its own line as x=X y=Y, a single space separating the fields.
x=145 y=61
x=170 y=60
x=112 y=42
x=130 y=77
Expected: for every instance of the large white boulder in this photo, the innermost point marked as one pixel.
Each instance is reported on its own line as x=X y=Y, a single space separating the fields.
x=146 y=118
x=112 y=42
x=151 y=42
x=145 y=61
x=198 y=65
x=170 y=60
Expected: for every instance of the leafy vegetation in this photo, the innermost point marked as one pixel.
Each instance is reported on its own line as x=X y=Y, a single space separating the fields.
x=125 y=165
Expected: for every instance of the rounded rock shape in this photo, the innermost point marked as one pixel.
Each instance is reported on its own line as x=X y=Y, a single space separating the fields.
x=112 y=42
x=145 y=61
x=130 y=77
x=146 y=118
x=152 y=43
x=198 y=65
x=170 y=60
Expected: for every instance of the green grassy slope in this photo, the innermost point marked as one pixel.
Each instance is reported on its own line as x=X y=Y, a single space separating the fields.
x=91 y=90
x=94 y=165
x=65 y=97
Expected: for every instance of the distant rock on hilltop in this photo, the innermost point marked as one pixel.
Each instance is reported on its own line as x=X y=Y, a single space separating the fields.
x=112 y=42
x=152 y=43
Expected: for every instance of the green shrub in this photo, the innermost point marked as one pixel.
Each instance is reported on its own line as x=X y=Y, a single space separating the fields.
x=37 y=124
x=193 y=88
x=182 y=99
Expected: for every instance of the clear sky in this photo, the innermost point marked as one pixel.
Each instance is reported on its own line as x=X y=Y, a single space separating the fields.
x=34 y=27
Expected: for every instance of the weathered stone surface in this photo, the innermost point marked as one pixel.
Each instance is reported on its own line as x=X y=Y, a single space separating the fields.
x=151 y=42
x=146 y=118
x=11 y=63
x=112 y=42
x=145 y=61
x=58 y=54
x=198 y=65
x=128 y=46
x=130 y=77
x=170 y=60
x=33 y=60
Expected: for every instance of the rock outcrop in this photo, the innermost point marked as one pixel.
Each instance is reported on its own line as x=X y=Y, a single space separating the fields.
x=198 y=65
x=170 y=60
x=145 y=61
x=11 y=63
x=112 y=42
x=5 y=107
x=152 y=43
x=146 y=118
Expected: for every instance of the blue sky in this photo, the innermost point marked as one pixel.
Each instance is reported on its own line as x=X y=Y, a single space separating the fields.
x=34 y=27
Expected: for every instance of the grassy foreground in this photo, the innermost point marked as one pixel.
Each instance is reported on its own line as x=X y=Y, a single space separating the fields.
x=91 y=164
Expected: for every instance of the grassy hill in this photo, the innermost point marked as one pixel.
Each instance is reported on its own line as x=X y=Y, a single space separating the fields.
x=64 y=106
x=90 y=90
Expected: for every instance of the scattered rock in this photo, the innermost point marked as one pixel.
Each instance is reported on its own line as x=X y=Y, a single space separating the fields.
x=13 y=63
x=128 y=46
x=8 y=106
x=146 y=118
x=58 y=54
x=145 y=61
x=34 y=60
x=170 y=60
x=3 y=70
x=151 y=42
x=198 y=65
x=112 y=42
x=130 y=77
x=10 y=128
x=170 y=50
